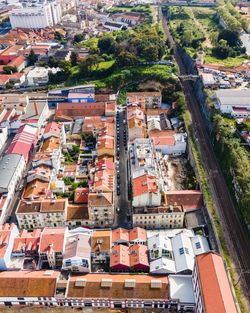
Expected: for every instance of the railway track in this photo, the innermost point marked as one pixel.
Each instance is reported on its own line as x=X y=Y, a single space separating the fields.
x=236 y=238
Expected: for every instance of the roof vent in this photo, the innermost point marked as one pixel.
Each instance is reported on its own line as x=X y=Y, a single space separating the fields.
x=156 y=284
x=106 y=282
x=129 y=283
x=48 y=273
x=80 y=282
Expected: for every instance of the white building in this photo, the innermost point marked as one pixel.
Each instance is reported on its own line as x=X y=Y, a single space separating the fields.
x=3 y=136
x=11 y=168
x=142 y=157
x=235 y=102
x=7 y=235
x=38 y=76
x=44 y=15
x=176 y=144
x=174 y=251
x=42 y=213
x=77 y=254
x=146 y=191
x=159 y=217
x=181 y=291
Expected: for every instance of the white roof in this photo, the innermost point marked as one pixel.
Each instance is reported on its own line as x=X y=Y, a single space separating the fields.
x=200 y=244
x=234 y=97
x=159 y=241
x=183 y=253
x=162 y=265
x=182 y=243
x=208 y=78
x=181 y=288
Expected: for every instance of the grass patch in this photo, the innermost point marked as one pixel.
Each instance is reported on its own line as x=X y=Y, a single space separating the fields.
x=90 y=43
x=229 y=62
x=105 y=64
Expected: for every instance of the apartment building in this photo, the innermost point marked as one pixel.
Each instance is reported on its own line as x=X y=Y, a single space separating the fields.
x=159 y=217
x=12 y=167
x=119 y=291
x=146 y=100
x=8 y=233
x=42 y=213
x=77 y=254
x=101 y=208
x=100 y=247
x=31 y=288
x=52 y=247
x=133 y=258
x=212 y=290
x=46 y=14
x=26 y=244
x=146 y=191
x=142 y=157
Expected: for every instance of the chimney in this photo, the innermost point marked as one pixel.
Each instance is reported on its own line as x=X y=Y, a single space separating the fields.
x=35 y=106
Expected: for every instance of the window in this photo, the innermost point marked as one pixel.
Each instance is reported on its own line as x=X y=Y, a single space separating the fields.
x=198 y=245
x=186 y=251
x=181 y=251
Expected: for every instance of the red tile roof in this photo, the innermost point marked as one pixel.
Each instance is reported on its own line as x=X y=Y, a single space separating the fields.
x=81 y=195
x=53 y=128
x=24 y=141
x=17 y=61
x=105 y=163
x=189 y=199
x=138 y=255
x=104 y=180
x=120 y=234
x=83 y=109
x=28 y=283
x=144 y=184
x=118 y=290
x=52 y=239
x=5 y=232
x=137 y=233
x=126 y=258
x=27 y=241
x=215 y=288
x=119 y=258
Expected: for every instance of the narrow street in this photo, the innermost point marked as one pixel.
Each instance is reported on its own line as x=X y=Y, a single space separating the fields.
x=123 y=204
x=234 y=235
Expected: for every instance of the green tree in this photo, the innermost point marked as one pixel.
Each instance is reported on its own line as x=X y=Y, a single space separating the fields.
x=32 y=57
x=78 y=38
x=107 y=44
x=59 y=37
x=66 y=66
x=53 y=62
x=151 y=53
x=9 y=69
x=231 y=37
x=74 y=58
x=126 y=58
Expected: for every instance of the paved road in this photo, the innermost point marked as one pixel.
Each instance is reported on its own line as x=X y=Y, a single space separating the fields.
x=237 y=241
x=123 y=203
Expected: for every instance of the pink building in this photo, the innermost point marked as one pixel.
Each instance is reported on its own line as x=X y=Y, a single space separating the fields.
x=24 y=141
